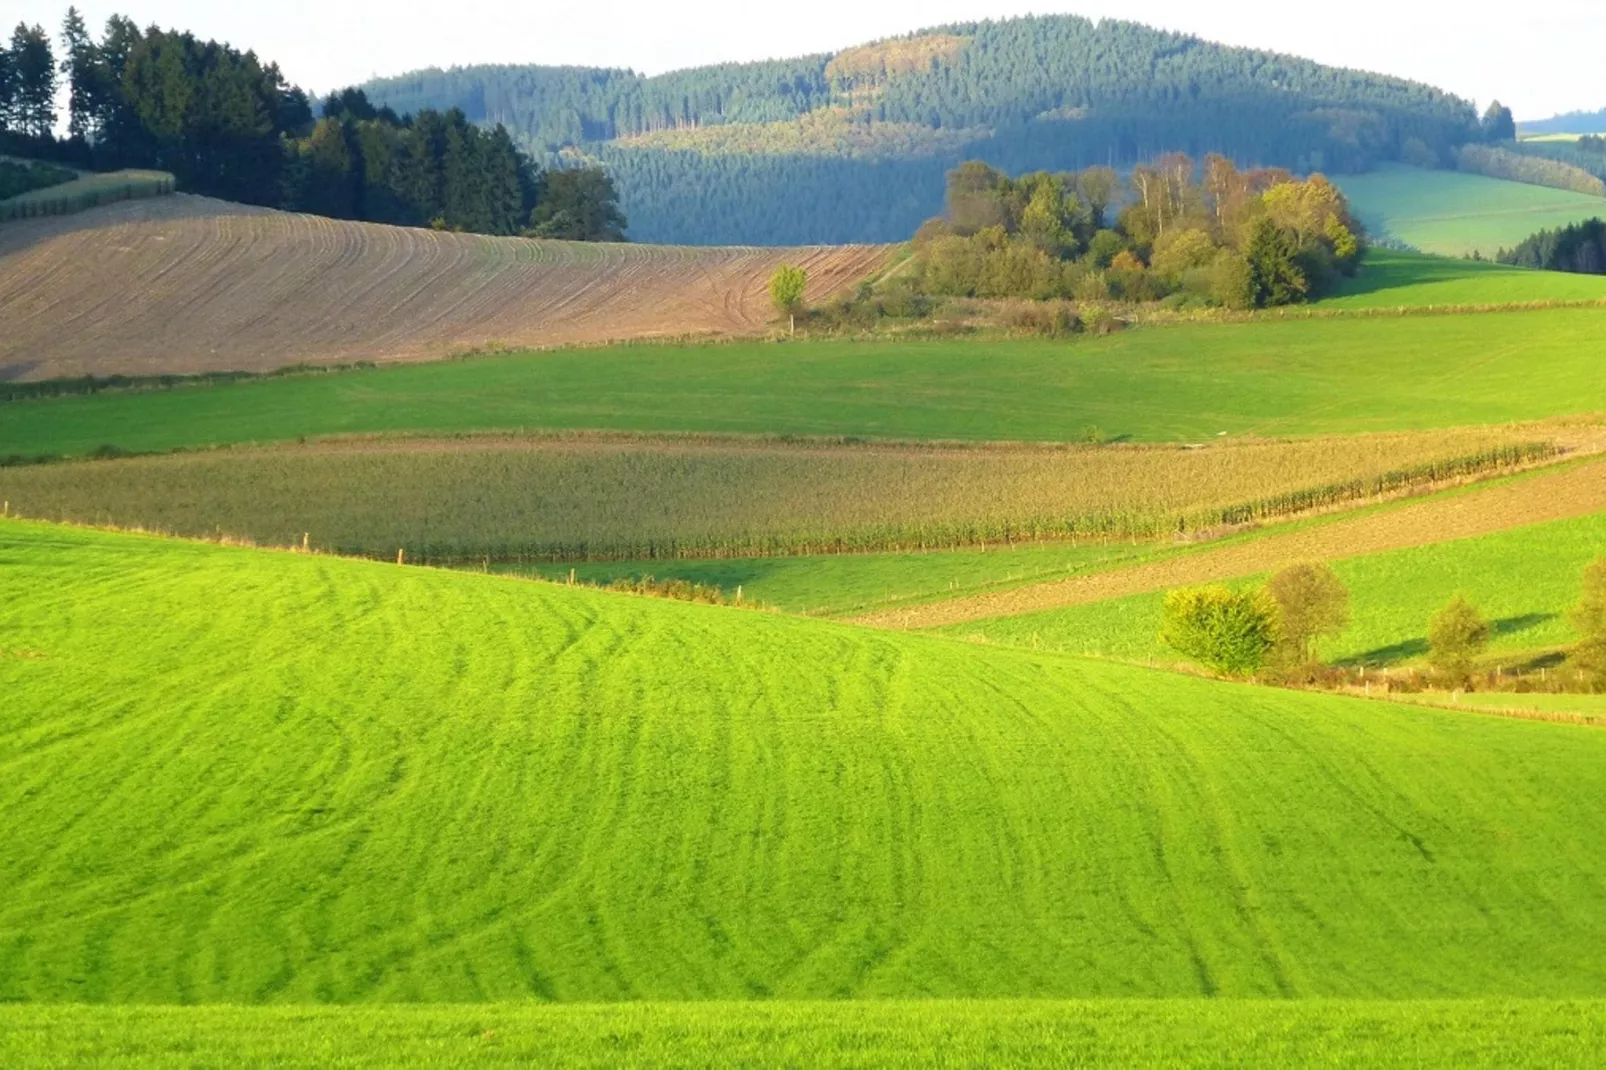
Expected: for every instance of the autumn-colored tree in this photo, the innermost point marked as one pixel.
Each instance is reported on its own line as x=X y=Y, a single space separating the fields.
x=1312 y=604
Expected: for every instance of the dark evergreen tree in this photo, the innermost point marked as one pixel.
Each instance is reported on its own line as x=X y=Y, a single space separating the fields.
x=32 y=68
x=1498 y=123
x=81 y=66
x=1275 y=277
x=577 y=205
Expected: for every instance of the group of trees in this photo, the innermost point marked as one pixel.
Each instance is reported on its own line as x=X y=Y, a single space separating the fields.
x=1277 y=627
x=1275 y=630
x=1535 y=170
x=1210 y=235
x=1579 y=248
x=228 y=125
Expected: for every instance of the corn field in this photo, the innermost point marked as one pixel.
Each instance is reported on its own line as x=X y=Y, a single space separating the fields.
x=87 y=192
x=540 y=500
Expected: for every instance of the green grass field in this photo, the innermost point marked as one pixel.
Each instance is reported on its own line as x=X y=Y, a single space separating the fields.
x=1524 y=580
x=1392 y=279
x=1452 y=213
x=1172 y=1033
x=848 y=584
x=1186 y=383
x=272 y=778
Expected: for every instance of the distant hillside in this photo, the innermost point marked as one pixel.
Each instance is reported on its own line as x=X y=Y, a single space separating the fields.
x=852 y=146
x=1574 y=122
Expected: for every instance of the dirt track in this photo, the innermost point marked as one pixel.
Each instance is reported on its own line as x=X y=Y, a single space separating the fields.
x=186 y=284
x=1572 y=491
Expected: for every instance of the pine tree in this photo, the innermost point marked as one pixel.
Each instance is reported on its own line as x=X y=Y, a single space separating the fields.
x=84 y=81
x=1275 y=277
x=33 y=82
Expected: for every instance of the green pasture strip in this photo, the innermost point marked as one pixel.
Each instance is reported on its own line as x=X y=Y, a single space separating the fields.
x=257 y=777
x=1392 y=279
x=1452 y=213
x=847 y=584
x=1524 y=580
x=1171 y=1033
x=87 y=192
x=1187 y=383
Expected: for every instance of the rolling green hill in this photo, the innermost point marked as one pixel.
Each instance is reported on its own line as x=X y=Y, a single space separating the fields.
x=273 y=778
x=1185 y=383
x=1456 y=214
x=1525 y=580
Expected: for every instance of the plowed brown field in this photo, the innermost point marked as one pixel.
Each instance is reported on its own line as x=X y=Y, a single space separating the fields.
x=1577 y=490
x=186 y=284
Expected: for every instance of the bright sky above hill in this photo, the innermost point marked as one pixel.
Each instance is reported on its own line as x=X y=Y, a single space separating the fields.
x=1540 y=59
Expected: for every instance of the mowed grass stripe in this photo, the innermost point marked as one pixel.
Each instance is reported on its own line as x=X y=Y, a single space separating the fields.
x=1574 y=491
x=1172 y=1033
x=1186 y=383
x=266 y=777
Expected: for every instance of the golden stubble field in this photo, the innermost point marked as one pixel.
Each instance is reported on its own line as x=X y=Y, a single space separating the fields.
x=185 y=284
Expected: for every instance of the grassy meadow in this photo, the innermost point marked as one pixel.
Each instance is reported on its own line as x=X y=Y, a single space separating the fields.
x=255 y=777
x=588 y=497
x=1525 y=580
x=1453 y=213
x=1185 y=383
x=1391 y=279
x=1173 y=1033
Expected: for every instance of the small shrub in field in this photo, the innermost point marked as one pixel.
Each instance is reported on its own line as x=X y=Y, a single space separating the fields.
x=1048 y=320
x=1312 y=603
x=786 y=290
x=1589 y=618
x=1231 y=631
x=1458 y=634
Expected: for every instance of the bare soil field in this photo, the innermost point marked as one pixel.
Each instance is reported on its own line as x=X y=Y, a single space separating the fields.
x=1573 y=491
x=186 y=284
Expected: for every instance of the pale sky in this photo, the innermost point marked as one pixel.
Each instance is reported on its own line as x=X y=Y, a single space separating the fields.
x=1540 y=58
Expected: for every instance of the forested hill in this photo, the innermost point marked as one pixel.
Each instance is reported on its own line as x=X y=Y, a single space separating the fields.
x=1574 y=122
x=853 y=146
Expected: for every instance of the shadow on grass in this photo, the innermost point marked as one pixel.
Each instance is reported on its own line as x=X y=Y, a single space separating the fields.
x=1385 y=656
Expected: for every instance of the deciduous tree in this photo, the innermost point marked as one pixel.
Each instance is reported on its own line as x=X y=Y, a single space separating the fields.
x=786 y=291
x=1457 y=635
x=1312 y=604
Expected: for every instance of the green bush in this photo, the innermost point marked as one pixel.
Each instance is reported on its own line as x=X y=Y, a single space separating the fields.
x=1231 y=631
